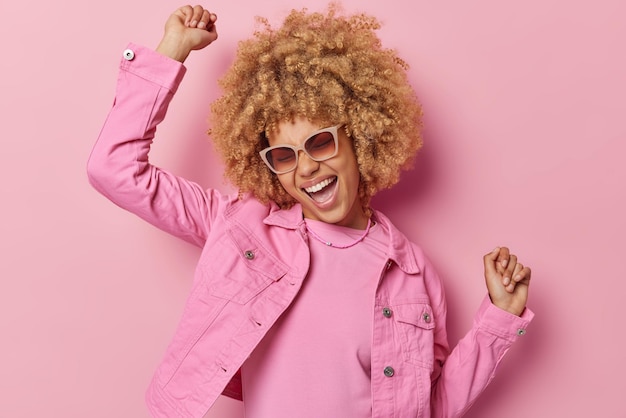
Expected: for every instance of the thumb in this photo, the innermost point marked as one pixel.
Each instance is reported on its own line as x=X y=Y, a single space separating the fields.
x=490 y=262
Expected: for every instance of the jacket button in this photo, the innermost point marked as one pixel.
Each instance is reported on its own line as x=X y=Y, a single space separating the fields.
x=387 y=312
x=129 y=54
x=389 y=371
x=427 y=318
x=249 y=255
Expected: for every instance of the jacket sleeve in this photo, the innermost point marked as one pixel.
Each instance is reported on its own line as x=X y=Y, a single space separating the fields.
x=118 y=166
x=461 y=375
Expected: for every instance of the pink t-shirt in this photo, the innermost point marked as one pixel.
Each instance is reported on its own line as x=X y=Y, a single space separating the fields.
x=315 y=361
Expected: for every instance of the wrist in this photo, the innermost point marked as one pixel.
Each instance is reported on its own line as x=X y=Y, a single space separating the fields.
x=173 y=49
x=515 y=310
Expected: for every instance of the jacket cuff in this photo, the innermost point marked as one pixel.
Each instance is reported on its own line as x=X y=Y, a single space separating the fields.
x=152 y=66
x=501 y=323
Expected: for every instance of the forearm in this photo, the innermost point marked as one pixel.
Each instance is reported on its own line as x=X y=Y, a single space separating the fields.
x=472 y=364
x=119 y=159
x=119 y=167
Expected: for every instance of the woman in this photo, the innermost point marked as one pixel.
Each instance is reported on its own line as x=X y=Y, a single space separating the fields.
x=306 y=301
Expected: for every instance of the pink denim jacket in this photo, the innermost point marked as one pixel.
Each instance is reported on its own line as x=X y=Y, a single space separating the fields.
x=254 y=260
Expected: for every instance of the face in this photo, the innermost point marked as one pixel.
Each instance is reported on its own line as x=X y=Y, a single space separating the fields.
x=327 y=190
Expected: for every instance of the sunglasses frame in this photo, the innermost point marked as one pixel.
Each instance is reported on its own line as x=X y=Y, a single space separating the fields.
x=333 y=130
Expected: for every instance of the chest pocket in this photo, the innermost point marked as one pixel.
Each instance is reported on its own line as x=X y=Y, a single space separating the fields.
x=240 y=267
x=416 y=324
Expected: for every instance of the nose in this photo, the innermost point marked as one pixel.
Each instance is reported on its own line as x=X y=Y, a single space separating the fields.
x=306 y=166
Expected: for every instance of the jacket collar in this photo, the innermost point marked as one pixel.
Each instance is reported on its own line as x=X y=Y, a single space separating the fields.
x=286 y=218
x=400 y=250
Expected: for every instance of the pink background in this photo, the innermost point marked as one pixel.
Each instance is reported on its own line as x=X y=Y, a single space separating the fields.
x=525 y=132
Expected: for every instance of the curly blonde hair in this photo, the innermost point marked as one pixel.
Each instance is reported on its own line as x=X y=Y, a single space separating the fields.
x=329 y=69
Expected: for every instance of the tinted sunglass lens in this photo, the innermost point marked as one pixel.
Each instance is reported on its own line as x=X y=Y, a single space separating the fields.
x=321 y=145
x=282 y=159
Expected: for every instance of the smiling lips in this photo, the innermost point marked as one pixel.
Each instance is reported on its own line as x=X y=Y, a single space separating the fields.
x=320 y=192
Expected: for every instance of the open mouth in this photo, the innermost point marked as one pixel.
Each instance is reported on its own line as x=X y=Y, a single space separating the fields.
x=323 y=190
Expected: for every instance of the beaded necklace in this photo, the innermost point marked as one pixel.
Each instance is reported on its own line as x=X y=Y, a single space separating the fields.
x=352 y=244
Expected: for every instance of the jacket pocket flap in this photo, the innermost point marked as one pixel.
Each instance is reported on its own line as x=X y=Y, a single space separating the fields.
x=255 y=256
x=241 y=267
x=417 y=314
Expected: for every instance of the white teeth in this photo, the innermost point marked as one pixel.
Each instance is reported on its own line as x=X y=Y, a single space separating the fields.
x=319 y=186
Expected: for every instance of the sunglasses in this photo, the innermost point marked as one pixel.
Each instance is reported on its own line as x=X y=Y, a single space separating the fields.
x=320 y=146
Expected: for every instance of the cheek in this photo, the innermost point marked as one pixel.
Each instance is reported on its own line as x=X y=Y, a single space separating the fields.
x=355 y=175
x=287 y=182
x=351 y=165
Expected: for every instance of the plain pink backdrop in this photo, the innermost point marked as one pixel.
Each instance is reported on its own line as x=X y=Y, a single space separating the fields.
x=525 y=142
